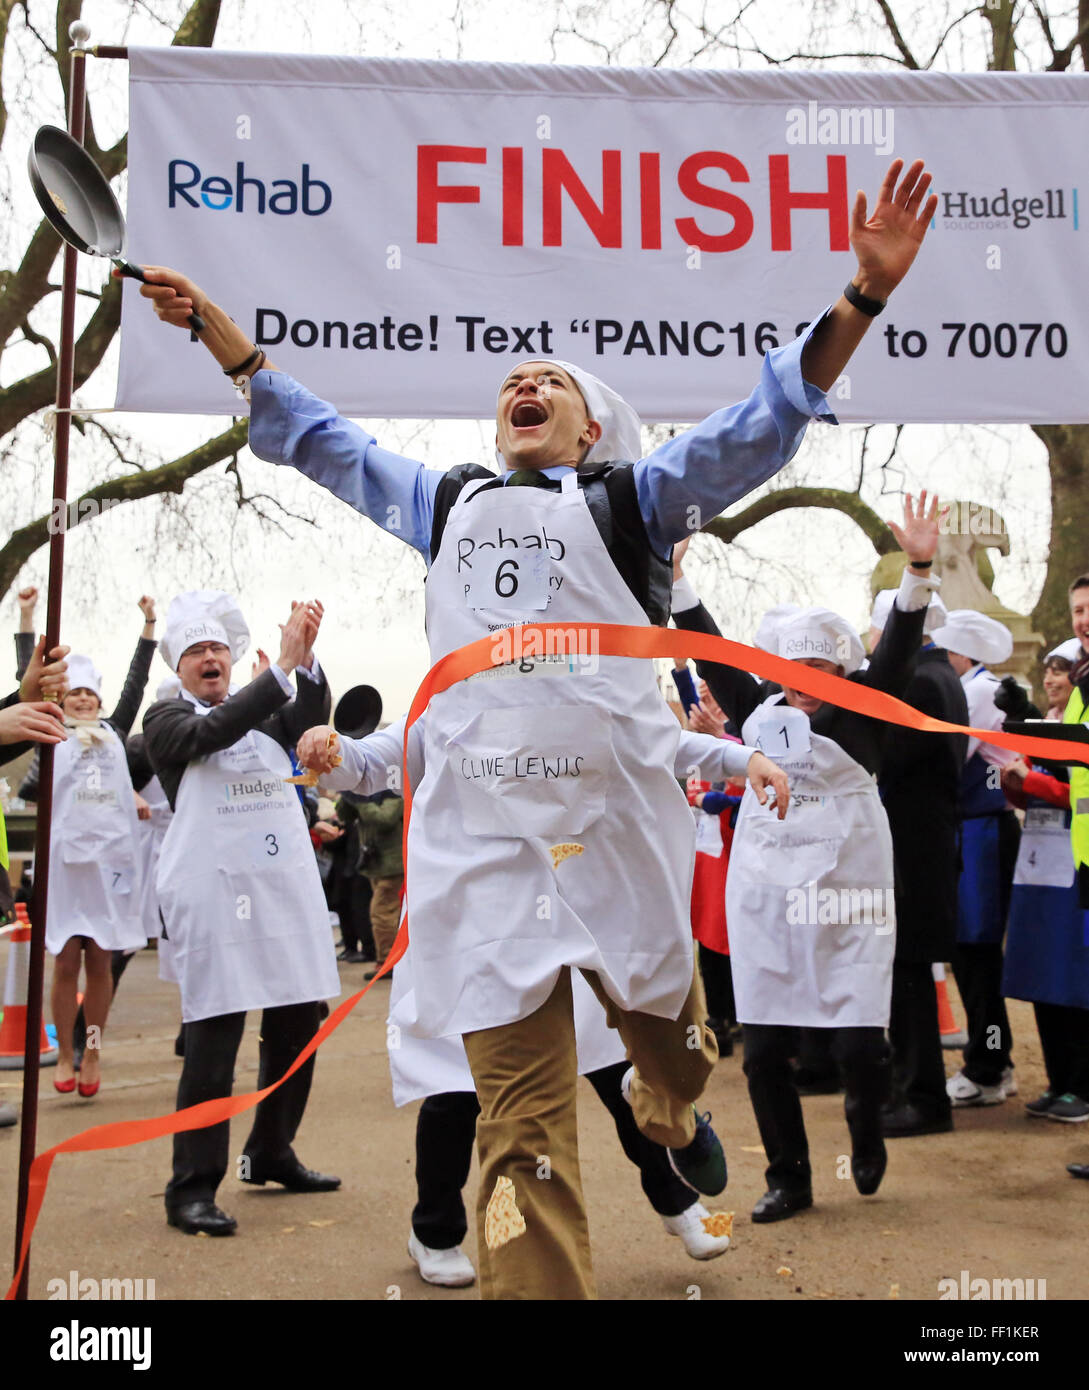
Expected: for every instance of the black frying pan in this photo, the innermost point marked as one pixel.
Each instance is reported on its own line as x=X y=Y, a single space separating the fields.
x=358 y=712
x=73 y=193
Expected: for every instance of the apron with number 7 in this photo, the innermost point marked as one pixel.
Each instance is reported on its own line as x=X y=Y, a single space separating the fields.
x=239 y=888
x=809 y=899
x=94 y=879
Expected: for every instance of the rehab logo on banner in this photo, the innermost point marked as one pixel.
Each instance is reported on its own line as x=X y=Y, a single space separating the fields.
x=400 y=233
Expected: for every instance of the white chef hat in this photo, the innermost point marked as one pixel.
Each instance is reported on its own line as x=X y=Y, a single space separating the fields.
x=936 y=613
x=819 y=633
x=169 y=688
x=972 y=634
x=83 y=674
x=1071 y=650
x=766 y=636
x=620 y=440
x=203 y=615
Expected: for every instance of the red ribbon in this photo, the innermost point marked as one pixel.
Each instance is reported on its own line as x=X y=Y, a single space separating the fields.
x=512 y=645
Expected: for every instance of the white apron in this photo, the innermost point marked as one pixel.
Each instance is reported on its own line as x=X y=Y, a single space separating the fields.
x=239 y=889
x=809 y=899
x=94 y=872
x=422 y=1067
x=527 y=757
x=149 y=845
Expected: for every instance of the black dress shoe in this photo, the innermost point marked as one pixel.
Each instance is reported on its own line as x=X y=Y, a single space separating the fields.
x=904 y=1121
x=292 y=1175
x=1078 y=1170
x=195 y=1218
x=777 y=1204
x=868 y=1172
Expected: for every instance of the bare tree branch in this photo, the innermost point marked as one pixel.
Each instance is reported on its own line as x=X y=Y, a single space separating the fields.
x=897 y=37
x=170 y=477
x=728 y=528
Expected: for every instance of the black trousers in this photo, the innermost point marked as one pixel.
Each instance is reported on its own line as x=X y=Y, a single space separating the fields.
x=718 y=984
x=918 y=1068
x=446 y=1128
x=863 y=1054
x=352 y=904
x=977 y=968
x=211 y=1046
x=1064 y=1038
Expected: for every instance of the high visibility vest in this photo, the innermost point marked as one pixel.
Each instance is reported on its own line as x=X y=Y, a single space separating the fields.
x=1076 y=713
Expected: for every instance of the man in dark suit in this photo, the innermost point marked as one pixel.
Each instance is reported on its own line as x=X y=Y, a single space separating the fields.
x=920 y=786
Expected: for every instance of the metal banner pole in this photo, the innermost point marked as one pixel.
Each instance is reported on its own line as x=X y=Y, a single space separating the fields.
x=79 y=33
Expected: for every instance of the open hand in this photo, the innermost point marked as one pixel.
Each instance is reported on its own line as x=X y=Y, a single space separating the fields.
x=918 y=537
x=887 y=242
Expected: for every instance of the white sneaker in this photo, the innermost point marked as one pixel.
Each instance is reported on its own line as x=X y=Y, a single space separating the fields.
x=963 y=1092
x=1009 y=1082
x=689 y=1226
x=450 y=1268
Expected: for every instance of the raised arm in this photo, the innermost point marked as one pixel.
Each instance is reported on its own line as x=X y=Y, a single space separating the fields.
x=132 y=692
x=289 y=425
x=893 y=661
x=695 y=476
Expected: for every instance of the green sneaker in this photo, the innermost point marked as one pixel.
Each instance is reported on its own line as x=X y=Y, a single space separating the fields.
x=701 y=1165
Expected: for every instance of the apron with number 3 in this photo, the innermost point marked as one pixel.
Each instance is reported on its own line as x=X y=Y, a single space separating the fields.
x=94 y=879
x=563 y=751
x=239 y=888
x=809 y=899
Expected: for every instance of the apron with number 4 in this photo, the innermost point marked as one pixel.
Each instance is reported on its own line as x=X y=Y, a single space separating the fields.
x=94 y=878
x=548 y=829
x=1047 y=946
x=238 y=885
x=809 y=899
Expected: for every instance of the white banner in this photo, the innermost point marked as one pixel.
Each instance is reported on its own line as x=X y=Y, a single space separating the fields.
x=397 y=234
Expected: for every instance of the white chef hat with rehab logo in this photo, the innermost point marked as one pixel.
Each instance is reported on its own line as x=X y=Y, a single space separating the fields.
x=203 y=615
x=972 y=634
x=819 y=634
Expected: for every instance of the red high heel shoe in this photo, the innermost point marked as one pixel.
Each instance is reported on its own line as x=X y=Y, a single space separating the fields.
x=89 y=1089
x=65 y=1087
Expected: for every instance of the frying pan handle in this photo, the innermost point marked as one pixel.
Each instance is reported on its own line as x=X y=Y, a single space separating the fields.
x=134 y=272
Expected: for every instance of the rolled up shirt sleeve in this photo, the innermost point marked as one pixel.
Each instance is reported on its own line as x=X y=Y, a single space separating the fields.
x=290 y=425
x=690 y=479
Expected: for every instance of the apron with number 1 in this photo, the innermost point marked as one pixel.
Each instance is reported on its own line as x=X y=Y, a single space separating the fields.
x=572 y=751
x=239 y=889
x=94 y=880
x=809 y=899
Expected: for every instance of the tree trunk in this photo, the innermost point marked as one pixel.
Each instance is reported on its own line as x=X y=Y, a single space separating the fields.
x=1068 y=450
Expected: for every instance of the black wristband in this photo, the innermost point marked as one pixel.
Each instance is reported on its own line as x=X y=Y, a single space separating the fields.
x=242 y=366
x=863 y=303
x=920 y=564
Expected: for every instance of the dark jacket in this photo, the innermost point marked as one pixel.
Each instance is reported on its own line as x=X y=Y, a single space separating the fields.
x=860 y=737
x=124 y=715
x=175 y=734
x=920 y=786
x=380 y=820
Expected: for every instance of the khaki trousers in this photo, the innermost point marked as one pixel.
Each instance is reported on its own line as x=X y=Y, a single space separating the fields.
x=526 y=1074
x=385 y=913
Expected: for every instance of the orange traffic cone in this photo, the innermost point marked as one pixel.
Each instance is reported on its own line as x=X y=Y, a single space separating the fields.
x=13 y=1026
x=952 y=1036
